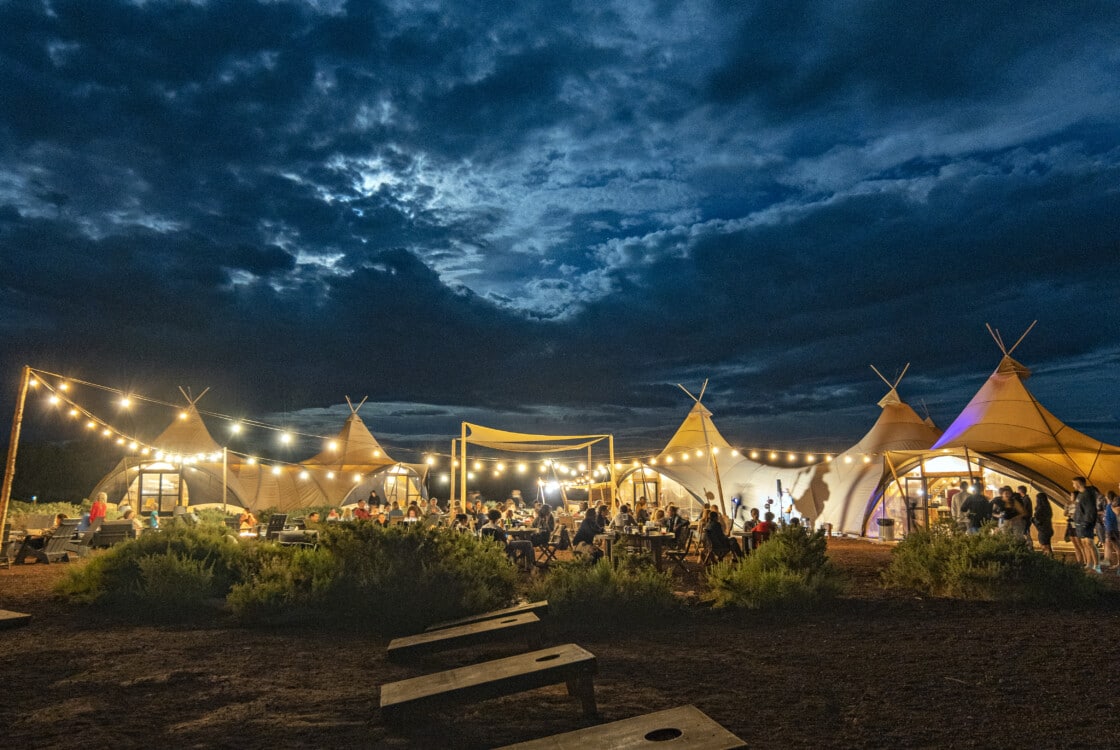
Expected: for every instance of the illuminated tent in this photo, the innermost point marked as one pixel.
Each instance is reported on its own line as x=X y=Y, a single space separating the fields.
x=1005 y=422
x=183 y=466
x=847 y=489
x=347 y=470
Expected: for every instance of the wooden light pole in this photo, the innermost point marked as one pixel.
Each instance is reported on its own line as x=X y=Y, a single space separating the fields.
x=13 y=446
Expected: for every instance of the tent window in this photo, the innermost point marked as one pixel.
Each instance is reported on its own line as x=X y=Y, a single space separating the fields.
x=160 y=490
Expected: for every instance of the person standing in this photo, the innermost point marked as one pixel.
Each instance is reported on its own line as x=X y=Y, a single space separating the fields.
x=1028 y=509
x=1085 y=521
x=1112 y=531
x=1044 y=522
x=977 y=511
x=98 y=510
x=957 y=501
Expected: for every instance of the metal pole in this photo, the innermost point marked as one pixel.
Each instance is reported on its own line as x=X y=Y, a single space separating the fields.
x=13 y=445
x=451 y=477
x=225 y=477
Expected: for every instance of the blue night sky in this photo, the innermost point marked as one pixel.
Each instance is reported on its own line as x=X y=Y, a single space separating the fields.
x=546 y=214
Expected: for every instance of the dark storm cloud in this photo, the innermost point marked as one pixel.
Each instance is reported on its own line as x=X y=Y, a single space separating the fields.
x=521 y=206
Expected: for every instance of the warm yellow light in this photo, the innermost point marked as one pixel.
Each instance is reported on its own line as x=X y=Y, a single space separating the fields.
x=126 y=402
x=633 y=464
x=377 y=454
x=791 y=457
x=734 y=452
x=478 y=466
x=444 y=478
x=828 y=458
x=455 y=462
x=715 y=450
x=276 y=470
x=120 y=441
x=497 y=473
x=73 y=412
x=357 y=477
x=810 y=458
x=90 y=424
x=144 y=451
x=63 y=386
x=470 y=475
x=867 y=459
x=33 y=383
x=159 y=455
x=653 y=461
x=500 y=467
x=684 y=456
x=303 y=475
x=54 y=399
x=699 y=454
x=332 y=445
x=668 y=459
x=754 y=454
x=522 y=468
x=285 y=437
x=773 y=456
x=250 y=460
x=182 y=415
x=235 y=428
x=847 y=459
x=330 y=475
x=583 y=467
x=431 y=460
x=106 y=432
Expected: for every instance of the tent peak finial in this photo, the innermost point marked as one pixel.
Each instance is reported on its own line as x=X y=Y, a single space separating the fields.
x=193 y=400
x=699 y=398
x=354 y=409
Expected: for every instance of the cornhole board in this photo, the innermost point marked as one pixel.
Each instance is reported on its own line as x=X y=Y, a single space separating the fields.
x=567 y=664
x=525 y=624
x=10 y=619
x=538 y=608
x=683 y=727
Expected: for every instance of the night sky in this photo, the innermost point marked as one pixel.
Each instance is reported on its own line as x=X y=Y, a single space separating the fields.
x=546 y=214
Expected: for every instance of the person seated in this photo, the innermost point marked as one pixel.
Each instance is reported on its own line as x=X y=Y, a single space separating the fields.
x=395 y=511
x=381 y=519
x=752 y=521
x=461 y=522
x=246 y=521
x=718 y=540
x=545 y=523
x=433 y=507
x=763 y=529
x=137 y=524
x=124 y=507
x=332 y=515
x=659 y=518
x=584 y=540
x=641 y=513
x=516 y=549
x=673 y=520
x=413 y=515
x=603 y=518
x=58 y=519
x=623 y=518
x=361 y=513
x=313 y=517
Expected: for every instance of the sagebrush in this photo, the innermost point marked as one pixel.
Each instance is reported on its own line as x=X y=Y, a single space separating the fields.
x=791 y=570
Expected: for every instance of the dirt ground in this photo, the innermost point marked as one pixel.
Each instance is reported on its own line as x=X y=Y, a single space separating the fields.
x=875 y=670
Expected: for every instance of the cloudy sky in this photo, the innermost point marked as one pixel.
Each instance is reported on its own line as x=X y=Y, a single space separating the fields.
x=552 y=212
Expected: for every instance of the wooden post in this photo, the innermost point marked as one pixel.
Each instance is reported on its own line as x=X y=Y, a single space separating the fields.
x=610 y=442
x=225 y=477
x=13 y=445
x=451 y=478
x=463 y=465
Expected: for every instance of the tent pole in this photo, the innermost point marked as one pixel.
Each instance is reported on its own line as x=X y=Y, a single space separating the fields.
x=451 y=478
x=13 y=445
x=463 y=465
x=610 y=440
x=225 y=478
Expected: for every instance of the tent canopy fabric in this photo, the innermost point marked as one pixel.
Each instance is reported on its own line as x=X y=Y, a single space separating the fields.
x=524 y=442
x=1006 y=421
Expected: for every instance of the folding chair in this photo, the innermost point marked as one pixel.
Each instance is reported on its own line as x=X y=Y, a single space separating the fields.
x=276 y=524
x=552 y=546
x=683 y=546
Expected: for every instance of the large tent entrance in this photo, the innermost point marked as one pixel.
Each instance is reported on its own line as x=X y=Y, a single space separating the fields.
x=659 y=490
x=160 y=487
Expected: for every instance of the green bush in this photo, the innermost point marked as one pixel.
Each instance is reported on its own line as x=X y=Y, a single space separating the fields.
x=789 y=571
x=117 y=577
x=171 y=584
x=987 y=566
x=286 y=584
x=395 y=580
x=19 y=511
x=589 y=596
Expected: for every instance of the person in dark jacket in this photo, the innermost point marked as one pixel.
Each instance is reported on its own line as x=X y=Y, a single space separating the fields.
x=1024 y=496
x=584 y=541
x=721 y=543
x=1085 y=522
x=977 y=510
x=1044 y=522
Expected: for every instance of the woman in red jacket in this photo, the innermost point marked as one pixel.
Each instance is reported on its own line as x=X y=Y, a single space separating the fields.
x=97 y=510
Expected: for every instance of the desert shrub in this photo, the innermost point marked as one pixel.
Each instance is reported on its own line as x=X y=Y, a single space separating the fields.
x=789 y=571
x=213 y=516
x=395 y=580
x=117 y=577
x=284 y=585
x=588 y=596
x=171 y=584
x=987 y=566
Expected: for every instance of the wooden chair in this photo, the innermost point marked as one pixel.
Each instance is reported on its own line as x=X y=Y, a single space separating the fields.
x=55 y=547
x=113 y=532
x=552 y=546
x=716 y=554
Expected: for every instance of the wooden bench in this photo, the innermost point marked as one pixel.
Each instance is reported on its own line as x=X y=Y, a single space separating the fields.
x=567 y=664
x=524 y=624
x=10 y=619
x=538 y=608
x=684 y=727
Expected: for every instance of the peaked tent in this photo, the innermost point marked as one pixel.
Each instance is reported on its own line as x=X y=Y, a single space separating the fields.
x=149 y=482
x=847 y=489
x=1004 y=421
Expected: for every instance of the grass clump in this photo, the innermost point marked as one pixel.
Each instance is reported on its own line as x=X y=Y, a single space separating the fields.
x=588 y=596
x=284 y=585
x=790 y=571
x=989 y=566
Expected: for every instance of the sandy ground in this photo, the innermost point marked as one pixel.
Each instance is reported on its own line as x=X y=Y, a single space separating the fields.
x=874 y=670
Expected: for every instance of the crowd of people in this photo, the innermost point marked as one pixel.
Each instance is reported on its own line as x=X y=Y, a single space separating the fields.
x=1092 y=519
